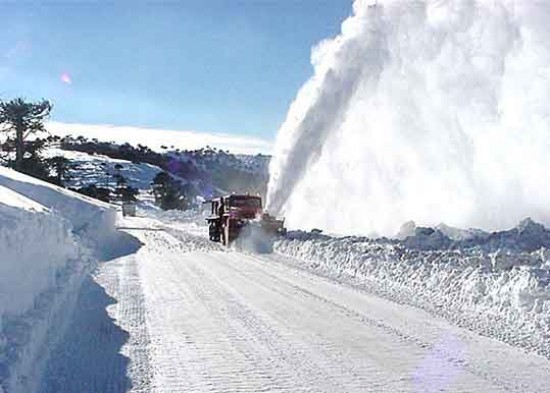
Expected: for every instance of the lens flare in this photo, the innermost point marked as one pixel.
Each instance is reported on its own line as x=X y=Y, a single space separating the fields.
x=442 y=365
x=66 y=78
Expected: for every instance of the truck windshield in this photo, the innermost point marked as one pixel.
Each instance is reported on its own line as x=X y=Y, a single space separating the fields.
x=246 y=202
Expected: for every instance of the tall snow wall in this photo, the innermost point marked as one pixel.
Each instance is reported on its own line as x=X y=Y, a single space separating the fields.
x=432 y=111
x=50 y=239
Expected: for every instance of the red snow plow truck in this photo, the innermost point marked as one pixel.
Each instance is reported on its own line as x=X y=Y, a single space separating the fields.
x=241 y=217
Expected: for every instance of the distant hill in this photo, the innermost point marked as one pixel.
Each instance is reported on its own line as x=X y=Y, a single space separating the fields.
x=207 y=172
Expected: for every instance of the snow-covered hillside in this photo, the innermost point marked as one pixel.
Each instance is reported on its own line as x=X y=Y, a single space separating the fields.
x=99 y=169
x=49 y=239
x=206 y=172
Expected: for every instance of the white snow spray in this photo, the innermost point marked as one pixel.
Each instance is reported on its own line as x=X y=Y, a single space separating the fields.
x=432 y=111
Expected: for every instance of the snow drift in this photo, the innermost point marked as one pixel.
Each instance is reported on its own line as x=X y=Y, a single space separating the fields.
x=497 y=284
x=432 y=111
x=49 y=240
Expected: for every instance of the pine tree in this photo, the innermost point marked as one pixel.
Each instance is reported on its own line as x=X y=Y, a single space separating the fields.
x=19 y=119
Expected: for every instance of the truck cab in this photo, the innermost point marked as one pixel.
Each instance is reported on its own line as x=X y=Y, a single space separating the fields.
x=230 y=214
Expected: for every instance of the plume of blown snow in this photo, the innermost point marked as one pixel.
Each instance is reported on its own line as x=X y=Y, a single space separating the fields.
x=432 y=111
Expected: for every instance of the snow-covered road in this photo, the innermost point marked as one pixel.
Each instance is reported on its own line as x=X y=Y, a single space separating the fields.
x=204 y=319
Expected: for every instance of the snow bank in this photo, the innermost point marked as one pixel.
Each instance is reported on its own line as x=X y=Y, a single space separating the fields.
x=29 y=233
x=49 y=240
x=92 y=219
x=496 y=284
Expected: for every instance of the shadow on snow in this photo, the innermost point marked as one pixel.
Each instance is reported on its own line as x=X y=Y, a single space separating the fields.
x=88 y=358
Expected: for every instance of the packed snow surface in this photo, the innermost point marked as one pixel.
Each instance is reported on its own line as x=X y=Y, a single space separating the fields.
x=200 y=318
x=432 y=111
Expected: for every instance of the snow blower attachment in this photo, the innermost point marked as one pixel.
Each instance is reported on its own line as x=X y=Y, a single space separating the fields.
x=241 y=217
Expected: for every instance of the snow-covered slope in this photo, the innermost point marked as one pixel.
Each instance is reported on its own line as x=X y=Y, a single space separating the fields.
x=205 y=172
x=98 y=169
x=49 y=239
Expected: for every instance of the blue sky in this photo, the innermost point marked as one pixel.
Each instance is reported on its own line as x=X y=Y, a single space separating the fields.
x=230 y=66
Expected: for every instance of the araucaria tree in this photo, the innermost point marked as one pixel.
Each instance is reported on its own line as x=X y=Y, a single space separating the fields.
x=19 y=119
x=167 y=192
x=61 y=168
